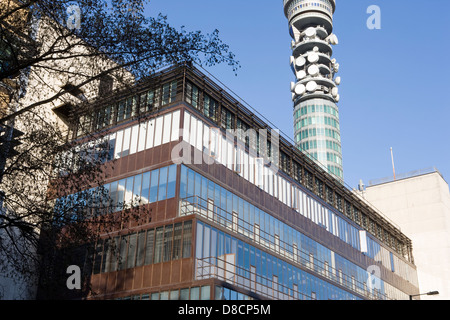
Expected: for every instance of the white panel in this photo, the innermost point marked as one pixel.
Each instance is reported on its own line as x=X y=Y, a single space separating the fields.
x=223 y=150
x=251 y=167
x=175 y=126
x=193 y=131
x=271 y=183
x=111 y=137
x=142 y=136
x=230 y=159
x=158 y=131
x=363 y=240
x=119 y=141
x=206 y=136
x=266 y=179
x=186 y=126
x=289 y=194
x=246 y=165
x=199 y=141
x=167 y=128
x=126 y=142
x=134 y=139
x=150 y=133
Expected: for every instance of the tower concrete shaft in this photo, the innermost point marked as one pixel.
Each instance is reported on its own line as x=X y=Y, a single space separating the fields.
x=315 y=89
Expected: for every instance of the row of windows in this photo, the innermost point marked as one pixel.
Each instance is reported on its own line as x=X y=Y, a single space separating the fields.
x=142 y=136
x=271 y=232
x=318 y=132
x=316 y=108
x=209 y=107
x=326 y=156
x=295 y=6
x=193 y=293
x=127 y=108
x=319 y=120
x=162 y=244
x=337 y=171
x=149 y=187
x=321 y=144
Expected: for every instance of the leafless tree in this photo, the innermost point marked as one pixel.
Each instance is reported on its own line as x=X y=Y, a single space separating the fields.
x=55 y=53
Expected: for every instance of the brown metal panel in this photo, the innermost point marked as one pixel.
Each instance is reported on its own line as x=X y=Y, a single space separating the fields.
x=156 y=274
x=171 y=208
x=132 y=162
x=166 y=269
x=111 y=282
x=160 y=211
x=138 y=277
x=129 y=279
x=187 y=269
x=176 y=271
x=147 y=276
x=120 y=280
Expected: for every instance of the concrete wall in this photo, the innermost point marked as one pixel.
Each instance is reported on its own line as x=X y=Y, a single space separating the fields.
x=421 y=206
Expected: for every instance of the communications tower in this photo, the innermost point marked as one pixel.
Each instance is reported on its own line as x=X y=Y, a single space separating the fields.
x=315 y=89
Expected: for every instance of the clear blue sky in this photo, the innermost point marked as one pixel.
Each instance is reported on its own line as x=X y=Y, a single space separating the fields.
x=395 y=81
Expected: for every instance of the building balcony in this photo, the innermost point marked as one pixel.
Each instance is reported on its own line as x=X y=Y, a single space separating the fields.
x=309 y=44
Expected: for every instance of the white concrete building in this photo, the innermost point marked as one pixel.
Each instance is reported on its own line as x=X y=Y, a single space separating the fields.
x=420 y=203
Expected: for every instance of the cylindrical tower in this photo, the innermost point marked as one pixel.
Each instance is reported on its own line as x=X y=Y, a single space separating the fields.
x=315 y=90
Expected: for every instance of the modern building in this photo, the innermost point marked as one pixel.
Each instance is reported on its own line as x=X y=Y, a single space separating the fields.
x=315 y=89
x=225 y=208
x=419 y=202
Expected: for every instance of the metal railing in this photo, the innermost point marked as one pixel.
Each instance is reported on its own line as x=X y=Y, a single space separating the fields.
x=206 y=209
x=221 y=269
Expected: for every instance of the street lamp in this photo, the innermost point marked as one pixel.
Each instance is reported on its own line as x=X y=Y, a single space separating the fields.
x=431 y=293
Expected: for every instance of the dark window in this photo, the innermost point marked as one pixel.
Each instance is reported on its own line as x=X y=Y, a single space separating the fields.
x=105 y=86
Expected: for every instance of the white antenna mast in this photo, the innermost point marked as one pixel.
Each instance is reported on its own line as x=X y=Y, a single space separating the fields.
x=393 y=166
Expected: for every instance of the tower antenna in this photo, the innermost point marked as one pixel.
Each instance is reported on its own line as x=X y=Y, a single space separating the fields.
x=393 y=166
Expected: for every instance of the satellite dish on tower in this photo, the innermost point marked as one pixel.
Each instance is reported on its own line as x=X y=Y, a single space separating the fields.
x=333 y=39
x=310 y=32
x=300 y=89
x=337 y=80
x=313 y=57
x=300 y=62
x=311 y=86
x=313 y=70
x=336 y=67
x=335 y=92
x=301 y=74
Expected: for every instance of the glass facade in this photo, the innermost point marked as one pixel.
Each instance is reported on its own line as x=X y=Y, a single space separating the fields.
x=155 y=245
x=148 y=187
x=202 y=196
x=237 y=262
x=317 y=133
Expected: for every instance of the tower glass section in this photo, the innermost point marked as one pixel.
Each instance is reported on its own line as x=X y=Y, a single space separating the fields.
x=315 y=90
